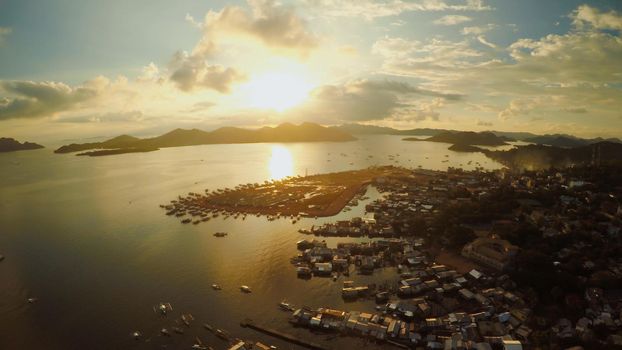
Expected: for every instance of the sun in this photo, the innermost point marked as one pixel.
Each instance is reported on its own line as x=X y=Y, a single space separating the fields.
x=277 y=90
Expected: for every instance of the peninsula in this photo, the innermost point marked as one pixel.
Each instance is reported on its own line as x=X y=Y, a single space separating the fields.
x=10 y=145
x=286 y=132
x=315 y=195
x=484 y=138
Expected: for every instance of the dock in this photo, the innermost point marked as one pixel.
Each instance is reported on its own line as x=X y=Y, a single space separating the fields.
x=284 y=336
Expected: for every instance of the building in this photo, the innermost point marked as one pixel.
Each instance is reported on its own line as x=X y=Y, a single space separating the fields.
x=490 y=251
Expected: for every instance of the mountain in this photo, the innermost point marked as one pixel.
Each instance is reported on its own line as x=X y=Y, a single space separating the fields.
x=11 y=145
x=544 y=157
x=466 y=138
x=287 y=132
x=568 y=141
x=360 y=129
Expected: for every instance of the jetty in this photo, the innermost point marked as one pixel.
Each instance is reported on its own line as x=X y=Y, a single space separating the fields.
x=248 y=323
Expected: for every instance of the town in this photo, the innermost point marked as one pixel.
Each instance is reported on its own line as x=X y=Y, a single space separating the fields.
x=483 y=260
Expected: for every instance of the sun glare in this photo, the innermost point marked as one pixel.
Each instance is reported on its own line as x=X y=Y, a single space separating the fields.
x=281 y=164
x=278 y=90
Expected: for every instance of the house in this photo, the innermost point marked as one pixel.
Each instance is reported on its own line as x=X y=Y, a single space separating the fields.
x=512 y=345
x=494 y=252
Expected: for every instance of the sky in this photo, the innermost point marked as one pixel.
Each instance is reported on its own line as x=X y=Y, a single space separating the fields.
x=76 y=69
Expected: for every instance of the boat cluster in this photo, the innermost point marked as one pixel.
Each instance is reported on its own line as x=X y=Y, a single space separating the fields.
x=190 y=210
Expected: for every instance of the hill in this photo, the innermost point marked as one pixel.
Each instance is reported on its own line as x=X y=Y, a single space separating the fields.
x=10 y=145
x=543 y=157
x=305 y=132
x=568 y=141
x=484 y=138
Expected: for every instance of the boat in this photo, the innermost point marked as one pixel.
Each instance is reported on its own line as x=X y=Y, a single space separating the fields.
x=178 y=330
x=216 y=287
x=286 y=306
x=186 y=221
x=208 y=327
x=136 y=335
x=220 y=234
x=163 y=308
x=245 y=289
x=186 y=319
x=165 y=332
x=222 y=334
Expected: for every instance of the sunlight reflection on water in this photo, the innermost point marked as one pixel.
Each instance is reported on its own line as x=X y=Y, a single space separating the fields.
x=281 y=164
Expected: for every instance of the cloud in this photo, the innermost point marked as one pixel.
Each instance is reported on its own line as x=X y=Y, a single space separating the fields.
x=112 y=117
x=483 y=40
x=431 y=60
x=273 y=24
x=575 y=110
x=371 y=9
x=4 y=32
x=476 y=30
x=30 y=99
x=586 y=16
x=192 y=71
x=424 y=110
x=520 y=107
x=366 y=100
x=483 y=123
x=451 y=20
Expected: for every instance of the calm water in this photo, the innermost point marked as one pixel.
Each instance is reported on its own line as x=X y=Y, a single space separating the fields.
x=86 y=236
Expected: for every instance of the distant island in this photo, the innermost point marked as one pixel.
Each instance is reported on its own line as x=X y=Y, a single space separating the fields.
x=11 y=145
x=110 y=152
x=466 y=138
x=567 y=141
x=287 y=132
x=558 y=140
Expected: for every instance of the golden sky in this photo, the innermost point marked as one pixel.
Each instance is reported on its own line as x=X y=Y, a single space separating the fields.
x=78 y=70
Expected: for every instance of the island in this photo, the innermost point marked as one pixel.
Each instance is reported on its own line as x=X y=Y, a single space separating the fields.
x=11 y=145
x=484 y=138
x=109 y=152
x=464 y=148
x=286 y=132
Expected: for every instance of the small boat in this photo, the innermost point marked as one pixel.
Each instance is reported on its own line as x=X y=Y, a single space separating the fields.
x=186 y=221
x=286 y=306
x=186 y=319
x=208 y=327
x=216 y=287
x=165 y=332
x=32 y=300
x=178 y=330
x=222 y=334
x=136 y=335
x=163 y=308
x=220 y=234
x=245 y=289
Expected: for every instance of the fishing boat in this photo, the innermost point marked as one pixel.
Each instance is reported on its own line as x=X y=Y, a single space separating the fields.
x=245 y=289
x=222 y=334
x=186 y=221
x=216 y=287
x=208 y=327
x=220 y=234
x=286 y=306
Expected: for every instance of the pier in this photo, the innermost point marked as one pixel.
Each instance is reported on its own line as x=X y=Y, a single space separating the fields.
x=284 y=336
